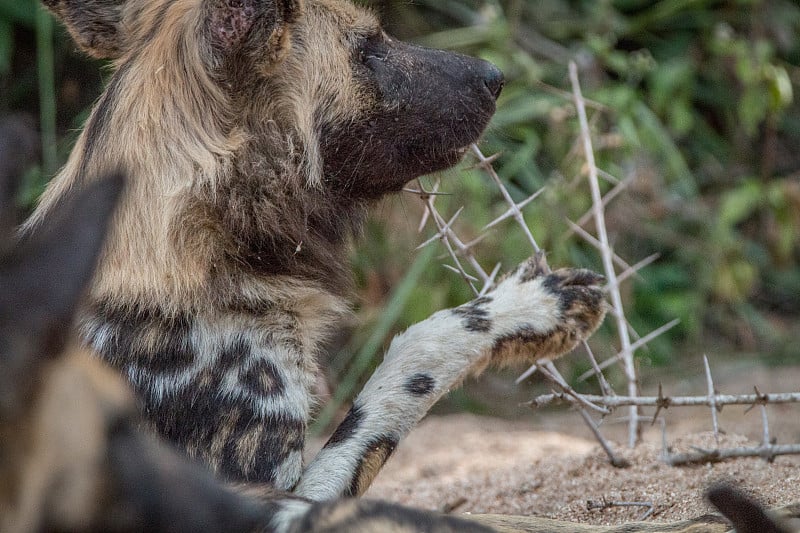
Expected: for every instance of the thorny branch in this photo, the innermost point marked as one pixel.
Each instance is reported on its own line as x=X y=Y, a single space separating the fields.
x=768 y=449
x=664 y=402
x=607 y=254
x=702 y=456
x=456 y=249
x=461 y=254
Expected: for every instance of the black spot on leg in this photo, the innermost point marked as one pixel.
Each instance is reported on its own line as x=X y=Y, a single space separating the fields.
x=348 y=427
x=573 y=287
x=476 y=317
x=420 y=384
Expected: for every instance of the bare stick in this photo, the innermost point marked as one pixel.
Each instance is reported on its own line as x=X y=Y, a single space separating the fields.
x=486 y=164
x=665 y=402
x=607 y=254
x=549 y=371
x=444 y=232
x=489 y=283
x=592 y=505
x=625 y=274
x=701 y=456
x=617 y=462
x=454 y=245
x=635 y=346
x=585 y=235
x=613 y=193
x=528 y=373
x=605 y=386
x=425 y=195
x=512 y=212
x=711 y=398
x=444 y=228
x=766 y=441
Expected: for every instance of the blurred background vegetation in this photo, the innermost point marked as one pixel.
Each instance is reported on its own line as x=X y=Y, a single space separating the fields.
x=696 y=104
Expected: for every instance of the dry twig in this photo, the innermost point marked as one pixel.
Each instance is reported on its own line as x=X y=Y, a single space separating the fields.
x=664 y=402
x=592 y=505
x=607 y=254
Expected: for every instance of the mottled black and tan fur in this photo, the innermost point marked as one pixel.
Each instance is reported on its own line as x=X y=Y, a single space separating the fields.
x=71 y=456
x=255 y=134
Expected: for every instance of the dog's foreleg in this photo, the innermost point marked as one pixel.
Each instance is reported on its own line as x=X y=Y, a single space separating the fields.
x=529 y=315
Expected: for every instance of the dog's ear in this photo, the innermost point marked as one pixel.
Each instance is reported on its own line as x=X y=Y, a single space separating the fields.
x=94 y=24
x=249 y=25
x=42 y=278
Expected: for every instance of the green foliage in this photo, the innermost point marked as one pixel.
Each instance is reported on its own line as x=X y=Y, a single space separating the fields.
x=695 y=103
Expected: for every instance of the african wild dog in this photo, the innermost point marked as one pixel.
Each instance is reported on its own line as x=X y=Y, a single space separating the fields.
x=255 y=134
x=72 y=456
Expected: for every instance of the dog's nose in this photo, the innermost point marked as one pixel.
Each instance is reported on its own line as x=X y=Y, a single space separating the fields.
x=494 y=80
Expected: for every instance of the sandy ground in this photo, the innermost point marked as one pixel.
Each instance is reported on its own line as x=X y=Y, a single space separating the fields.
x=465 y=463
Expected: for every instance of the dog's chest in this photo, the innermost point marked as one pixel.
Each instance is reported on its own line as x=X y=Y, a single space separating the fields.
x=181 y=361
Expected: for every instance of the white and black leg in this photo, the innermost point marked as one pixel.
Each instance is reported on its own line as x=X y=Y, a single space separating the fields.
x=529 y=315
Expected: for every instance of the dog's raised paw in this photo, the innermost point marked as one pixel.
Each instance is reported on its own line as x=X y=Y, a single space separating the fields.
x=547 y=313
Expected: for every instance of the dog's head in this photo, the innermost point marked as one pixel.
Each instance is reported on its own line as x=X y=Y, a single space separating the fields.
x=362 y=113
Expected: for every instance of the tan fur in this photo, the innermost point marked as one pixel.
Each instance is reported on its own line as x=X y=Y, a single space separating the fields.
x=62 y=462
x=155 y=253
x=141 y=247
x=373 y=461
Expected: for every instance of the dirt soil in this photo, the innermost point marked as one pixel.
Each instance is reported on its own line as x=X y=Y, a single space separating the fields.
x=466 y=463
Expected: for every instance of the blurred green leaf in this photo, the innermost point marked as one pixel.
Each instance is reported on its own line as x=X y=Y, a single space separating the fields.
x=739 y=203
x=21 y=12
